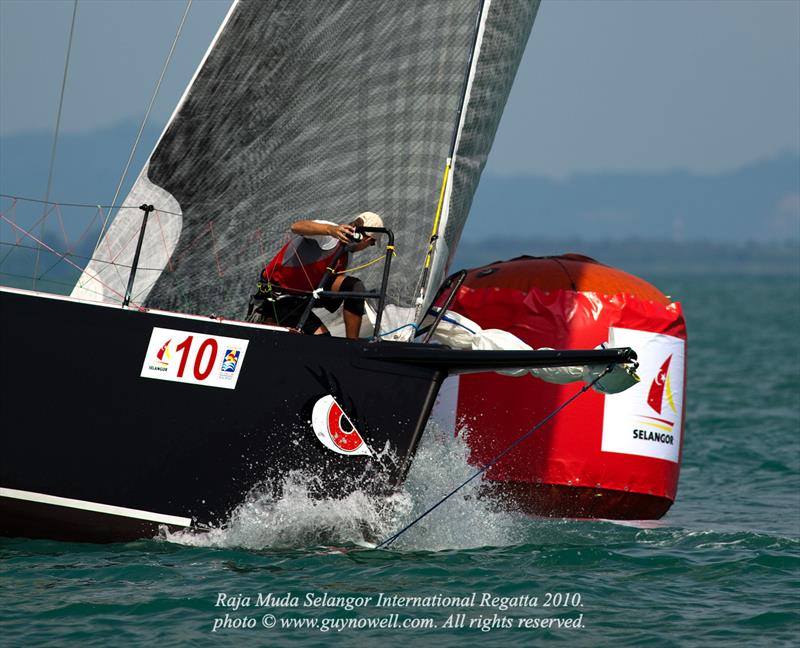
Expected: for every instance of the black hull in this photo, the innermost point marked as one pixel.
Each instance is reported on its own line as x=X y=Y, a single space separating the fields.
x=79 y=422
x=98 y=445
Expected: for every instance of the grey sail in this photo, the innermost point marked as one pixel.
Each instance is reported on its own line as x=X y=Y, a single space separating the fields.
x=317 y=109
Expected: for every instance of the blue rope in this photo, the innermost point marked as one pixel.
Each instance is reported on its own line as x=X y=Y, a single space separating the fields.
x=445 y=318
x=399 y=328
x=452 y=321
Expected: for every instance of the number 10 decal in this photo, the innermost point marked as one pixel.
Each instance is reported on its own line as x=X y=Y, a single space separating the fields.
x=184 y=356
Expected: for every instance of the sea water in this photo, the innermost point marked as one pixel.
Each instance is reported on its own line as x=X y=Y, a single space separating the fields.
x=721 y=568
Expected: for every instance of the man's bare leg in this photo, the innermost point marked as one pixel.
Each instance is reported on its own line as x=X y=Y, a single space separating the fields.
x=352 y=324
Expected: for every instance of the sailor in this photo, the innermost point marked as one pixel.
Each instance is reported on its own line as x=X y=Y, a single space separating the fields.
x=318 y=250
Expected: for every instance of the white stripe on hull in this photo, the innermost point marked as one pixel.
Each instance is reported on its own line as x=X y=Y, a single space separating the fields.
x=94 y=507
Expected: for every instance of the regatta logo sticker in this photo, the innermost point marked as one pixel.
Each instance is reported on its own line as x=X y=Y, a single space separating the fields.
x=229 y=362
x=646 y=419
x=184 y=356
x=335 y=430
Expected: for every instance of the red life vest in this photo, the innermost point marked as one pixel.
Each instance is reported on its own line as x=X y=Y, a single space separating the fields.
x=301 y=264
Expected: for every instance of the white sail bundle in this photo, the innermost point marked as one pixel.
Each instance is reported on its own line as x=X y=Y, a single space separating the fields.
x=459 y=332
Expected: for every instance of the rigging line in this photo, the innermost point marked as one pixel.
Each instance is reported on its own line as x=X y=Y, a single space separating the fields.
x=49 y=249
x=63 y=230
x=41 y=218
x=60 y=258
x=58 y=125
x=260 y=230
x=80 y=257
x=52 y=267
x=134 y=235
x=508 y=449
x=164 y=241
x=11 y=249
x=50 y=281
x=144 y=120
x=362 y=266
x=88 y=226
x=303 y=268
x=54 y=282
x=95 y=206
x=139 y=134
x=145 y=289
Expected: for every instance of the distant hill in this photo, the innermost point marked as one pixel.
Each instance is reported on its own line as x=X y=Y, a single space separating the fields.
x=758 y=202
x=87 y=168
x=646 y=257
x=746 y=220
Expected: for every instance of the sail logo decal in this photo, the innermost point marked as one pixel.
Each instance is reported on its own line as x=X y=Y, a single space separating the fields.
x=335 y=430
x=646 y=419
x=163 y=355
x=661 y=386
x=188 y=357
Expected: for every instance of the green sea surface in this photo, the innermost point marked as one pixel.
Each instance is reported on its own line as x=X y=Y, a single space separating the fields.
x=721 y=568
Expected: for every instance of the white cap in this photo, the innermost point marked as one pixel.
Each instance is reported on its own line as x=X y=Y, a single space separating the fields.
x=371 y=219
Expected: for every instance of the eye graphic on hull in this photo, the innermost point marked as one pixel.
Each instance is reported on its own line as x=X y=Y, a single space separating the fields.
x=335 y=430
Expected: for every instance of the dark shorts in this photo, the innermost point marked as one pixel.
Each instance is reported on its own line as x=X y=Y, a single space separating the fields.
x=286 y=310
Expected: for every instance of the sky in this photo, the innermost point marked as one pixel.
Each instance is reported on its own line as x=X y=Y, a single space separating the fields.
x=615 y=86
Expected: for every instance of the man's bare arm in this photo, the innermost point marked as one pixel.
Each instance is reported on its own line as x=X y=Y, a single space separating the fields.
x=312 y=228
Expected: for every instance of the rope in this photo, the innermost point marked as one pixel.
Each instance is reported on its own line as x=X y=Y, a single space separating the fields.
x=144 y=121
x=11 y=248
x=63 y=256
x=54 y=282
x=63 y=204
x=361 y=267
x=583 y=390
x=437 y=218
x=58 y=126
x=399 y=328
x=141 y=128
x=71 y=255
x=450 y=320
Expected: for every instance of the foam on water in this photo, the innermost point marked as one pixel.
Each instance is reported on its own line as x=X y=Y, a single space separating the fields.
x=298 y=519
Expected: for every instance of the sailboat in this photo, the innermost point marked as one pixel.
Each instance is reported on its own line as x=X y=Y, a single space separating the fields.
x=142 y=399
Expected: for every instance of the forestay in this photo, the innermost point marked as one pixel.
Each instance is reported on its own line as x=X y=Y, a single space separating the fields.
x=323 y=109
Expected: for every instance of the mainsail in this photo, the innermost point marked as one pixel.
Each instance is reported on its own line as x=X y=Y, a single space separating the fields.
x=313 y=108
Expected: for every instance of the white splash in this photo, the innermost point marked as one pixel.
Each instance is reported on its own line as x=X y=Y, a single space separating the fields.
x=298 y=519
x=464 y=521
